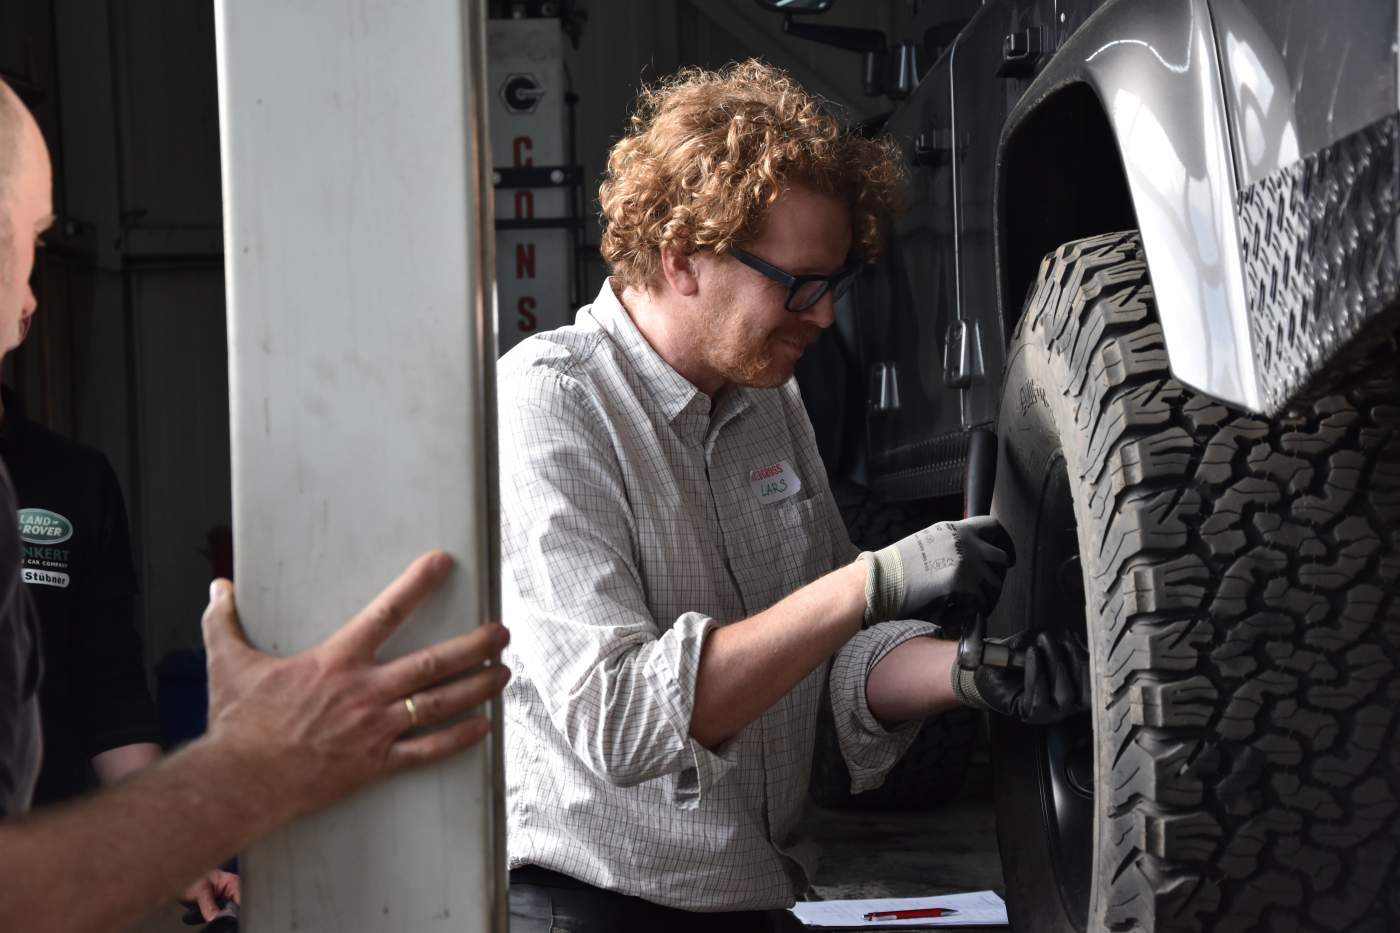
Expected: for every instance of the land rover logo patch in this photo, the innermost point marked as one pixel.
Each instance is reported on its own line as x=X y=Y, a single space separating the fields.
x=44 y=562
x=40 y=526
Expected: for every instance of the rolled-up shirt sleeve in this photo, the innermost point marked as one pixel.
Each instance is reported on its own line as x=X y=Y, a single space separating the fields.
x=617 y=684
x=869 y=749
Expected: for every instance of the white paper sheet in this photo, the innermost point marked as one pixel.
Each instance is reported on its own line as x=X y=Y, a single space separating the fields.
x=979 y=908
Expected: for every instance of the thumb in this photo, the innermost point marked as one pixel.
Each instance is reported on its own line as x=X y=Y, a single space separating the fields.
x=1034 y=700
x=207 y=905
x=1064 y=686
x=990 y=533
x=201 y=892
x=223 y=633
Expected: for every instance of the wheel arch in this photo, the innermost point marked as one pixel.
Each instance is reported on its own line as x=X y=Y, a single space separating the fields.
x=1050 y=193
x=1140 y=85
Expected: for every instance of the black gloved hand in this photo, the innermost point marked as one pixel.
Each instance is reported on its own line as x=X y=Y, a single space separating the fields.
x=965 y=560
x=1053 y=685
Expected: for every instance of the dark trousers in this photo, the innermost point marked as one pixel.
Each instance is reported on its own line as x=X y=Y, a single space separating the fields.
x=543 y=901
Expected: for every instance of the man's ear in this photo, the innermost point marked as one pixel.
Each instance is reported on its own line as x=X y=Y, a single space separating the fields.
x=679 y=270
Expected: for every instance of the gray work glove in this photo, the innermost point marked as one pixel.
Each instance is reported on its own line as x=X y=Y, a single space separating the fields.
x=965 y=560
x=1053 y=685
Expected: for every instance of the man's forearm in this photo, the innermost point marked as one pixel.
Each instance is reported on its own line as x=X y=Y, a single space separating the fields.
x=101 y=862
x=912 y=681
x=748 y=666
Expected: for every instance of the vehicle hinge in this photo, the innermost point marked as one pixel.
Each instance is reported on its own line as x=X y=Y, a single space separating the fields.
x=932 y=147
x=903 y=68
x=959 y=361
x=884 y=387
x=1021 y=51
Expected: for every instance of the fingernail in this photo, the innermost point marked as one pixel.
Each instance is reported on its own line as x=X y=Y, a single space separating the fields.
x=214 y=590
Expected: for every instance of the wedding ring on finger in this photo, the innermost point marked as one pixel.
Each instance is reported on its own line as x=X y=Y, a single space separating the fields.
x=412 y=711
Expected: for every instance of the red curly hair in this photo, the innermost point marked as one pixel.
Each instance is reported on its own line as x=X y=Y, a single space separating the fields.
x=708 y=152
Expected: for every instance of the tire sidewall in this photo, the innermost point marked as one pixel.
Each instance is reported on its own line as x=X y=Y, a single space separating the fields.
x=1030 y=442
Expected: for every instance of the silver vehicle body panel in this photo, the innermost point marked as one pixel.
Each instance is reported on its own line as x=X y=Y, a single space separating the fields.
x=1153 y=66
x=1255 y=144
x=1300 y=77
x=1257 y=138
x=1311 y=96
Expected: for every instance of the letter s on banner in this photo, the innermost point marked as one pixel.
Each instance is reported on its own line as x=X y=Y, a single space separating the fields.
x=525 y=308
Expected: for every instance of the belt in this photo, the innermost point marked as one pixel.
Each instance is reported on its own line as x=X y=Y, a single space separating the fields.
x=545 y=878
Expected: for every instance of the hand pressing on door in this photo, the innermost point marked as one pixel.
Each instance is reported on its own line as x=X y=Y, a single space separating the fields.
x=319 y=725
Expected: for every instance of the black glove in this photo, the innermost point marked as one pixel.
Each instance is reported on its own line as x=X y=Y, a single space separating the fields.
x=964 y=560
x=1054 y=684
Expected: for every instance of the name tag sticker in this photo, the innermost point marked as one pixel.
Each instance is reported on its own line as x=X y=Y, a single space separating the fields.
x=774 y=483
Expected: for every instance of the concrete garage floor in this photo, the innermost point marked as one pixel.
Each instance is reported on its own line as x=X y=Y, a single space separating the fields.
x=945 y=850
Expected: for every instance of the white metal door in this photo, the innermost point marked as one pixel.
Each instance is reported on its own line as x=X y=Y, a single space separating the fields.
x=357 y=217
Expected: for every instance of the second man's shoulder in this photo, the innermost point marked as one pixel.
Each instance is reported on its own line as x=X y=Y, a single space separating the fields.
x=52 y=452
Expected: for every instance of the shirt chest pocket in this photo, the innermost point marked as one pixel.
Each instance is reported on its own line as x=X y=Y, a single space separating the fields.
x=787 y=547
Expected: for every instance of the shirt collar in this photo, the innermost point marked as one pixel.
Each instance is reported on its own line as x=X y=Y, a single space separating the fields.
x=675 y=394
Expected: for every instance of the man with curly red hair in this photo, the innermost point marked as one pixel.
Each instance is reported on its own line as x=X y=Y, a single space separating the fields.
x=682 y=591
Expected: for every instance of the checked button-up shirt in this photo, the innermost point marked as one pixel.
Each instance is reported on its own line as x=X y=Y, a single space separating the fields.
x=637 y=515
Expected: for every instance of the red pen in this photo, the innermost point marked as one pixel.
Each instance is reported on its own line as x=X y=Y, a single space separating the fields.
x=916 y=914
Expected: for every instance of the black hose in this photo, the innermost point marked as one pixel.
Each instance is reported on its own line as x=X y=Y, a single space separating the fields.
x=981 y=471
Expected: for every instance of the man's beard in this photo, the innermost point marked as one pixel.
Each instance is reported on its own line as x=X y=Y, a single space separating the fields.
x=748 y=356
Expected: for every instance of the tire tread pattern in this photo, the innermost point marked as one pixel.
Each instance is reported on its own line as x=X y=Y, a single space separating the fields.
x=1243 y=576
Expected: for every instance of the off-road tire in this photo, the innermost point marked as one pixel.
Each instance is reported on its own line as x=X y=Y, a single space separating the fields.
x=1242 y=600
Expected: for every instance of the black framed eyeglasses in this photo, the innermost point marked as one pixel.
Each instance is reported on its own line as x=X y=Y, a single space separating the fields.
x=803 y=291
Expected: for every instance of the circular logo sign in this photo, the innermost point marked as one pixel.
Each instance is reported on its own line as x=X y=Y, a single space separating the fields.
x=40 y=526
x=521 y=92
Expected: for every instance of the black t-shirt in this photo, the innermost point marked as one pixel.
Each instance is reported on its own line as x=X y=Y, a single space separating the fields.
x=20 y=669
x=77 y=567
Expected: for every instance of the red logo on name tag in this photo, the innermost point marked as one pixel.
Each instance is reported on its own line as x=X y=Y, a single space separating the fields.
x=766 y=472
x=774 y=483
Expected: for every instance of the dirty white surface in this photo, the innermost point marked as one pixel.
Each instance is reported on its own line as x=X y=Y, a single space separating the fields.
x=361 y=350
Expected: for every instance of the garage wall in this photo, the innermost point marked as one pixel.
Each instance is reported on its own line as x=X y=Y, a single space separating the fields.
x=170 y=233
x=626 y=43
x=182 y=483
